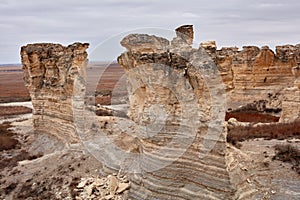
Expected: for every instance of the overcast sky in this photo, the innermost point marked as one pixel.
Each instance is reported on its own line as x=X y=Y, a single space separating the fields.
x=229 y=22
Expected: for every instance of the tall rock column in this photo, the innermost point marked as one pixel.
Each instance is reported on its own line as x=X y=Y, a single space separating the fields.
x=54 y=74
x=177 y=99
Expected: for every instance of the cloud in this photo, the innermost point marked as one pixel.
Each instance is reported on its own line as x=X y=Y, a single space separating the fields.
x=230 y=22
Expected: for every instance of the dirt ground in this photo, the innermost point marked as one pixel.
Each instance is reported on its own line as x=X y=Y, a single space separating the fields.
x=25 y=175
x=273 y=178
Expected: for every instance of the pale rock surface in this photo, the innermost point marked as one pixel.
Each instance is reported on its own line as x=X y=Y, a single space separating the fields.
x=176 y=93
x=186 y=33
x=112 y=187
x=291 y=99
x=55 y=75
x=254 y=73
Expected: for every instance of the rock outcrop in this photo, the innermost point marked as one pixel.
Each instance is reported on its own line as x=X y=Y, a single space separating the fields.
x=176 y=135
x=177 y=98
x=291 y=99
x=111 y=187
x=54 y=75
x=254 y=73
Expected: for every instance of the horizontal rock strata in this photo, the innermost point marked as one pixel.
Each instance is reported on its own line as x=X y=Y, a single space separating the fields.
x=254 y=73
x=291 y=99
x=177 y=98
x=54 y=74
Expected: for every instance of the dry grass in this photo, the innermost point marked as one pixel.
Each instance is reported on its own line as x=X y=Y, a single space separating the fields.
x=14 y=110
x=251 y=117
x=12 y=87
x=6 y=137
x=268 y=131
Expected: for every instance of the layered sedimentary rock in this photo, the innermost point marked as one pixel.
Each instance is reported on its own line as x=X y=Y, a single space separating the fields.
x=254 y=73
x=291 y=99
x=54 y=75
x=177 y=99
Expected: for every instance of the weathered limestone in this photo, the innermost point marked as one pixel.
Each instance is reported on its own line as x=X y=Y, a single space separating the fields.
x=185 y=33
x=291 y=99
x=296 y=73
x=178 y=102
x=254 y=73
x=175 y=92
x=54 y=74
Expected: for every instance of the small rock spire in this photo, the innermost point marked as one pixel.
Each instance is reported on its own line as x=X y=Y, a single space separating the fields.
x=186 y=33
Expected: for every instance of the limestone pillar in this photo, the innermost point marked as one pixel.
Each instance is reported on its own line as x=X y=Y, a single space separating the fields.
x=54 y=74
x=177 y=98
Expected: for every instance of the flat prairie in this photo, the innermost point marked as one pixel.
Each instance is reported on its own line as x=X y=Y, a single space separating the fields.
x=12 y=87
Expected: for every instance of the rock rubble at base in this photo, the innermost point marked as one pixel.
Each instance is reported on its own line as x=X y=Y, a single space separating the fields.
x=111 y=187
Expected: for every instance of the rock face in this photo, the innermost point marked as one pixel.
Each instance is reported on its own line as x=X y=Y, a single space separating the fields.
x=177 y=98
x=186 y=33
x=291 y=99
x=177 y=105
x=253 y=73
x=54 y=75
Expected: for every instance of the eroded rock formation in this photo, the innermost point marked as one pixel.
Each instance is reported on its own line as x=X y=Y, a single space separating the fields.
x=177 y=97
x=254 y=73
x=177 y=101
x=54 y=74
x=291 y=99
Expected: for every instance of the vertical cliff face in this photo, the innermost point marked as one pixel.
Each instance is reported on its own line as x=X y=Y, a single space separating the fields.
x=291 y=99
x=176 y=97
x=253 y=73
x=296 y=73
x=54 y=74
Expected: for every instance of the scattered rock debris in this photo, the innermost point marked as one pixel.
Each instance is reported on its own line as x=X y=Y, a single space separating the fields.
x=111 y=187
